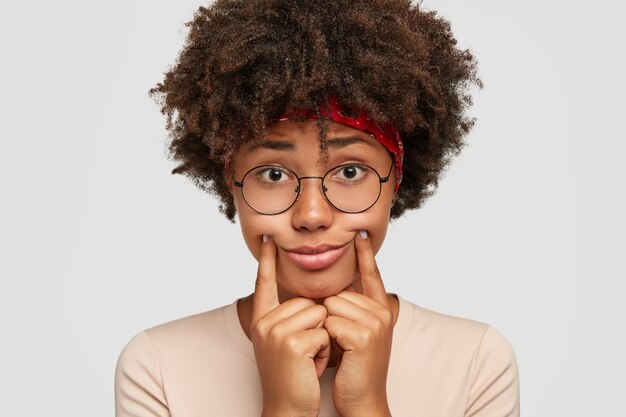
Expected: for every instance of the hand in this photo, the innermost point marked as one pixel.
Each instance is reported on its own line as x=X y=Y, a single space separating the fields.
x=362 y=325
x=290 y=344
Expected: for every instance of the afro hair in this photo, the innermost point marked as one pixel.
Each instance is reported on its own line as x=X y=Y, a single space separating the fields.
x=245 y=62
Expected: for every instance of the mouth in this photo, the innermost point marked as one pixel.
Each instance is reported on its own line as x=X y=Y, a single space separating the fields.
x=316 y=257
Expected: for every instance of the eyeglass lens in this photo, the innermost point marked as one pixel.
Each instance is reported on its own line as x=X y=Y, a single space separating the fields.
x=272 y=189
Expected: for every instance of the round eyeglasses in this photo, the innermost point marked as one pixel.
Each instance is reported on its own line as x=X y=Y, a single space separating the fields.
x=273 y=189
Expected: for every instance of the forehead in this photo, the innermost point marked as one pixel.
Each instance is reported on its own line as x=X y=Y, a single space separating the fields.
x=293 y=136
x=308 y=127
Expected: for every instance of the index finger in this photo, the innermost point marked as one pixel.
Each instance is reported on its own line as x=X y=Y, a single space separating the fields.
x=265 y=290
x=371 y=281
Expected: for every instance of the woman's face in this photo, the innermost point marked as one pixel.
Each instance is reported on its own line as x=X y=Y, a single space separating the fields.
x=312 y=221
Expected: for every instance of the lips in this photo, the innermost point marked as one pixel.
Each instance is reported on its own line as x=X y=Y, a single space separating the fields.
x=316 y=257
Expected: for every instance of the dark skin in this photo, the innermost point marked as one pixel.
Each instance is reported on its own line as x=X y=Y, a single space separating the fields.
x=245 y=63
x=244 y=309
x=337 y=316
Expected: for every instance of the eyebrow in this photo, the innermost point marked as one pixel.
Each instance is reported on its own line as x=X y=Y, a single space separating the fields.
x=341 y=142
x=285 y=145
x=278 y=145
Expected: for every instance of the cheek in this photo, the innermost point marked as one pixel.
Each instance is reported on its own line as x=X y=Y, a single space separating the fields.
x=254 y=226
x=375 y=222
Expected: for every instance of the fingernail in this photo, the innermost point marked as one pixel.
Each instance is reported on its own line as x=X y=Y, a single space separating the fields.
x=265 y=238
x=363 y=234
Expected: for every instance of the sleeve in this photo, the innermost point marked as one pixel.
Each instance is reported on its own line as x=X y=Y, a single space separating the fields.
x=494 y=379
x=138 y=383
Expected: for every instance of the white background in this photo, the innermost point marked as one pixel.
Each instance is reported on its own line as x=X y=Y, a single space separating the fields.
x=99 y=241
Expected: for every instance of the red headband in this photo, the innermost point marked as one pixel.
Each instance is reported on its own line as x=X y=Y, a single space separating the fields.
x=387 y=135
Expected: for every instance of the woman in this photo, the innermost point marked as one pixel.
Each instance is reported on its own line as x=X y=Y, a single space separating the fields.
x=316 y=123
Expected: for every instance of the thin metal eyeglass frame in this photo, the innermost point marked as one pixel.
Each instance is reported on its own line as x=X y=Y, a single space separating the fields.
x=298 y=189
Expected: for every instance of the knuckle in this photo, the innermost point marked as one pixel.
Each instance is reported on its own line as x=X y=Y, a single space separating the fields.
x=259 y=280
x=376 y=271
x=300 y=302
x=377 y=326
x=275 y=334
x=325 y=335
x=294 y=344
x=259 y=328
x=330 y=300
x=306 y=302
x=320 y=310
x=387 y=318
x=365 y=338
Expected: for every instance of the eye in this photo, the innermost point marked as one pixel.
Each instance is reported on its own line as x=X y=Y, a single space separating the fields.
x=351 y=173
x=272 y=175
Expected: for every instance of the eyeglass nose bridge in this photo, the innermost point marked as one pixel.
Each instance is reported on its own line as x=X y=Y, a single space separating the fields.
x=299 y=187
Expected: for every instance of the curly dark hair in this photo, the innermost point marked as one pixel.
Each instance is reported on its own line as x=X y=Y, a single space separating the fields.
x=246 y=61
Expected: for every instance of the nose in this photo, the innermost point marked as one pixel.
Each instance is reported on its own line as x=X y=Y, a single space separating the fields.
x=311 y=211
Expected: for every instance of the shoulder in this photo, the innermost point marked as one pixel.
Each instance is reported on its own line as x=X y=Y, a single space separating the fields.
x=446 y=335
x=193 y=329
x=140 y=370
x=480 y=354
x=148 y=347
x=438 y=325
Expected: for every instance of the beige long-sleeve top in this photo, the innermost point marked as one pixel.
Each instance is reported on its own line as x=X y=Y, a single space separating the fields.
x=203 y=366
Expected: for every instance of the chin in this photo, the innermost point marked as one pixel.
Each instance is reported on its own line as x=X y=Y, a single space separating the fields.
x=318 y=284
x=320 y=292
